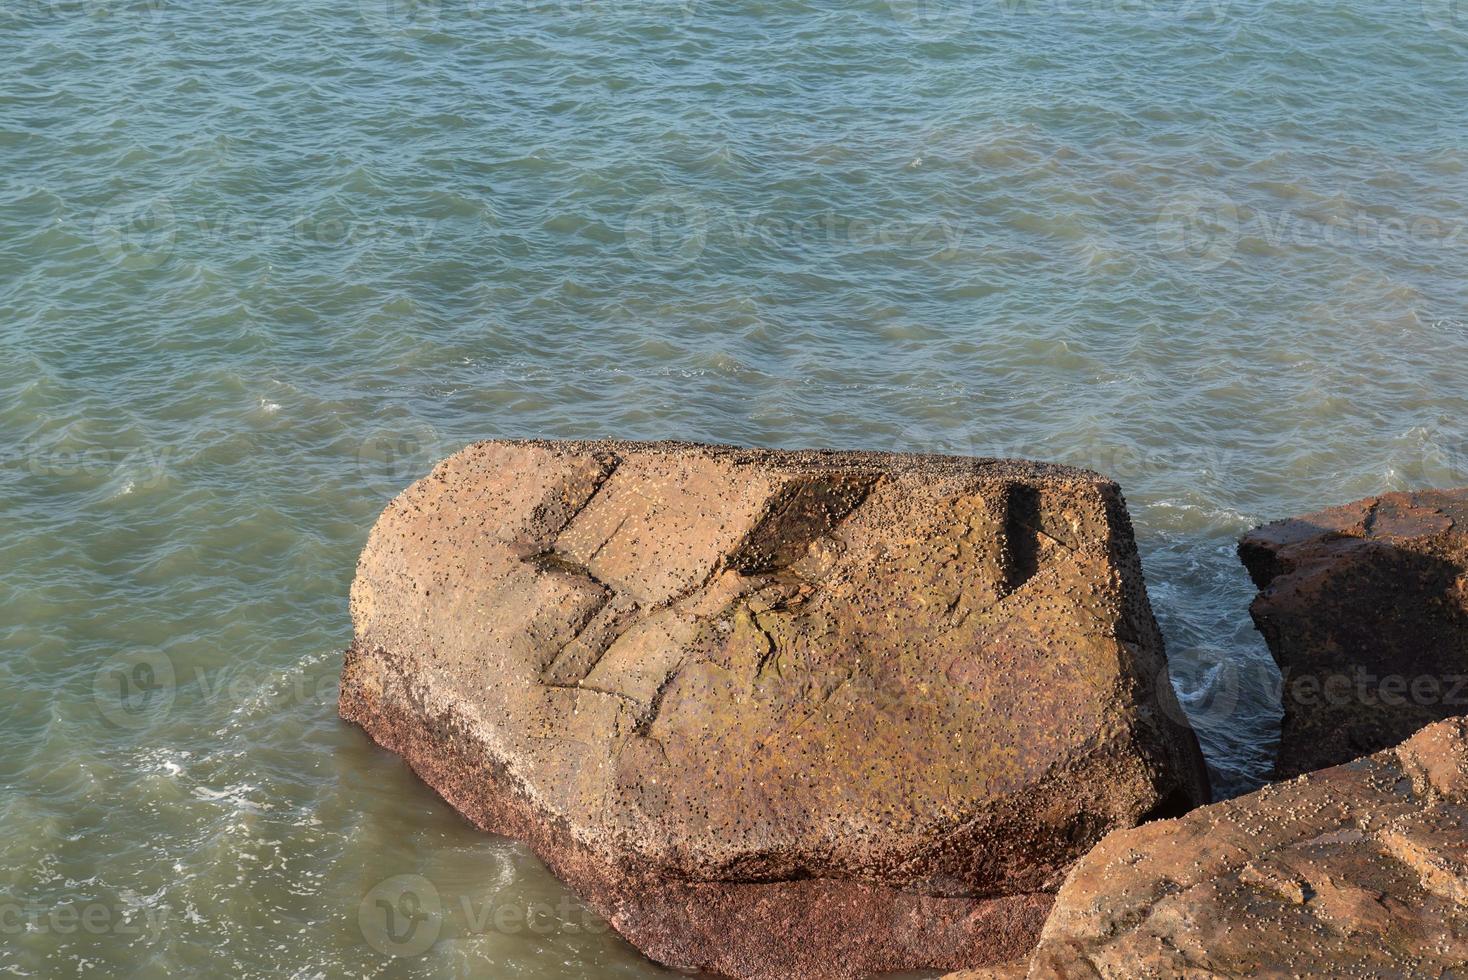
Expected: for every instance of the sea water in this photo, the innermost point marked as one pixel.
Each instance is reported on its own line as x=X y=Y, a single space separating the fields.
x=261 y=264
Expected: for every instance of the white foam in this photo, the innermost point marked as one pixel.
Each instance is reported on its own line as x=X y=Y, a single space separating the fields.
x=234 y=795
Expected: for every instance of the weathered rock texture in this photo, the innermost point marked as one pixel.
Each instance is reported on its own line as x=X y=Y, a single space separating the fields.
x=1365 y=608
x=1356 y=871
x=775 y=714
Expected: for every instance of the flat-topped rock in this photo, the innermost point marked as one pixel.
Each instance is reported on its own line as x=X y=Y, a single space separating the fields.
x=1360 y=870
x=775 y=714
x=1365 y=608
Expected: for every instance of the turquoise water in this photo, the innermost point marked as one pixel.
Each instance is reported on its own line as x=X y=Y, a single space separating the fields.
x=262 y=263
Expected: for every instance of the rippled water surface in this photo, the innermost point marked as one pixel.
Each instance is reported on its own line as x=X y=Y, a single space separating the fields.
x=262 y=263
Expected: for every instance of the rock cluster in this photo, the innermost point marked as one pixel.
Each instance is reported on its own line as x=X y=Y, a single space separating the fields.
x=776 y=714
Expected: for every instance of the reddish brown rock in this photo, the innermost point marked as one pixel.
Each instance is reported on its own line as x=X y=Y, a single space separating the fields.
x=1365 y=608
x=1355 y=871
x=775 y=714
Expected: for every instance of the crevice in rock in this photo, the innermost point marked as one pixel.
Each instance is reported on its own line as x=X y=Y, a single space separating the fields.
x=796 y=515
x=1021 y=534
x=1369 y=521
x=551 y=560
x=1174 y=804
x=772 y=649
x=610 y=465
x=655 y=704
x=579 y=686
x=560 y=563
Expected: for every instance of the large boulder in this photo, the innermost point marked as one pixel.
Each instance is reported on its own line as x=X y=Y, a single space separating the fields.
x=1365 y=608
x=1355 y=871
x=775 y=714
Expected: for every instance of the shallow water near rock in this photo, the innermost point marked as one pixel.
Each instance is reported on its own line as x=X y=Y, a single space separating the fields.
x=262 y=265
